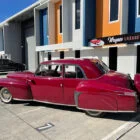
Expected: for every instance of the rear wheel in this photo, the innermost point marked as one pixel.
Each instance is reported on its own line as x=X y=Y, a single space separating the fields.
x=5 y=95
x=94 y=113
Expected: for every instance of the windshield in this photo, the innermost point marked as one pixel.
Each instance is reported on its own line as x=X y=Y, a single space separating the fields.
x=101 y=66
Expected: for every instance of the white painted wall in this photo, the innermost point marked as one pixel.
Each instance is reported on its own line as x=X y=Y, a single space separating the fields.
x=12 y=37
x=55 y=55
x=77 y=33
x=69 y=54
x=102 y=54
x=127 y=60
x=87 y=53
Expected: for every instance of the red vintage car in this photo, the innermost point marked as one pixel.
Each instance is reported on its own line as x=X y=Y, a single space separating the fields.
x=87 y=84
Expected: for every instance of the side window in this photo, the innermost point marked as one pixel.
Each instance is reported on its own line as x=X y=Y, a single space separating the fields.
x=73 y=71
x=114 y=10
x=0 y=61
x=49 y=70
x=5 y=62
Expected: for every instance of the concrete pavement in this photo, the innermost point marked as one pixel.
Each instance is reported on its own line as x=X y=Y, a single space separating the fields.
x=18 y=121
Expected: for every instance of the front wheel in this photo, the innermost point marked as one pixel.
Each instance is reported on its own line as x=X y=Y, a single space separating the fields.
x=95 y=113
x=5 y=95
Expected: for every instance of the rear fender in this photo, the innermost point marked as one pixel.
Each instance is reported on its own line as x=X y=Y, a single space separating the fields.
x=92 y=95
x=137 y=82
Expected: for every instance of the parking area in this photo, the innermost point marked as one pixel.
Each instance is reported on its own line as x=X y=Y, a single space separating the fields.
x=23 y=120
x=38 y=121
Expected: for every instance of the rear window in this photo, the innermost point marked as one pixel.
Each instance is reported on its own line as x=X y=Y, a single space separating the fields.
x=101 y=66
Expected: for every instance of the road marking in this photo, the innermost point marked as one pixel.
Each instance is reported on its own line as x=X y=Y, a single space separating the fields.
x=45 y=127
x=30 y=111
x=122 y=130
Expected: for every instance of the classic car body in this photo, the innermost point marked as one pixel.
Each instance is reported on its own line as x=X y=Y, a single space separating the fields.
x=87 y=84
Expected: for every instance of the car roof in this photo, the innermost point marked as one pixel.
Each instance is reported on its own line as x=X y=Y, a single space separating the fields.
x=70 y=61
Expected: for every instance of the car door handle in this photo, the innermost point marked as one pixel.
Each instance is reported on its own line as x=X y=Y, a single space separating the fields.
x=31 y=81
x=61 y=85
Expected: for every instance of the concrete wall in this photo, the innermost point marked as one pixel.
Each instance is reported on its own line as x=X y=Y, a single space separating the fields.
x=77 y=34
x=51 y=23
x=30 y=48
x=1 y=40
x=127 y=60
x=67 y=21
x=37 y=27
x=12 y=37
x=124 y=18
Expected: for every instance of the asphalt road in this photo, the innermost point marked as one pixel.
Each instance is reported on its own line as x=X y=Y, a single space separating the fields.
x=37 y=121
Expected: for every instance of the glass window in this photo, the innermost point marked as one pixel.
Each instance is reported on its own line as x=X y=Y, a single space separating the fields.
x=73 y=71
x=114 y=10
x=138 y=7
x=60 y=18
x=77 y=14
x=49 y=70
x=101 y=66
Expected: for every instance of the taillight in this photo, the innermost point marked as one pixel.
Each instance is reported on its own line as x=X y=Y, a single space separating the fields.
x=130 y=94
x=133 y=94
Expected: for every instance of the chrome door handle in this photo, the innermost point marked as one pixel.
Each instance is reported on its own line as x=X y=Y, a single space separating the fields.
x=31 y=81
x=61 y=85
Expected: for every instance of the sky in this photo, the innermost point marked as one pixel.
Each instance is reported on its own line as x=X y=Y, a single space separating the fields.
x=10 y=7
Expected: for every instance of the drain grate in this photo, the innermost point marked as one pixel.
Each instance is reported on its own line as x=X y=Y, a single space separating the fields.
x=45 y=127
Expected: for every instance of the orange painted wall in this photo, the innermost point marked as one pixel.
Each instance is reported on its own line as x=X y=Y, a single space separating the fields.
x=59 y=36
x=104 y=27
x=99 y=18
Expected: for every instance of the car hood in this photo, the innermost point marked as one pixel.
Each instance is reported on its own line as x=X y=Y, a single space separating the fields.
x=20 y=75
x=117 y=79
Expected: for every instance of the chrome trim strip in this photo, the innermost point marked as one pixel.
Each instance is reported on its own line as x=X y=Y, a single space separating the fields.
x=119 y=111
x=22 y=99
x=54 y=103
x=76 y=95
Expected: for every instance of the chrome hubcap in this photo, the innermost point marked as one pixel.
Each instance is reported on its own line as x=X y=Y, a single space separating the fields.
x=6 y=95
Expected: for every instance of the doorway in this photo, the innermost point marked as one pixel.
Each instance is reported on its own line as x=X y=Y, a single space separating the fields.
x=113 y=58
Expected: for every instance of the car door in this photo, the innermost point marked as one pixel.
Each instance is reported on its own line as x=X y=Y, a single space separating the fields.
x=47 y=83
x=73 y=75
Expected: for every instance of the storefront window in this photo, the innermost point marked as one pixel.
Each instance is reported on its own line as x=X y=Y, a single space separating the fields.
x=114 y=10
x=77 y=14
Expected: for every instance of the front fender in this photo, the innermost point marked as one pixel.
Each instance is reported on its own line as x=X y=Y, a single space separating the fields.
x=18 y=88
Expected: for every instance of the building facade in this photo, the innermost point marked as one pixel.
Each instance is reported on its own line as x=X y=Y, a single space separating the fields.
x=60 y=29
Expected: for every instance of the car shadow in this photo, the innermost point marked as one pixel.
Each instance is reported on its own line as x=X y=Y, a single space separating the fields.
x=38 y=104
x=112 y=116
